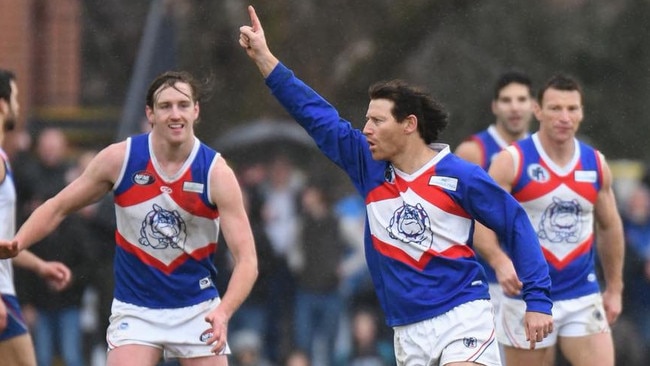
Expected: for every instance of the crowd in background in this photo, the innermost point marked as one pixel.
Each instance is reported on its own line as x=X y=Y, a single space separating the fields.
x=313 y=303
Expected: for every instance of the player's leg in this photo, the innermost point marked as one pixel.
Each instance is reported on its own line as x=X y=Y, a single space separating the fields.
x=512 y=336
x=585 y=338
x=221 y=360
x=133 y=354
x=17 y=351
x=591 y=350
x=525 y=357
x=16 y=346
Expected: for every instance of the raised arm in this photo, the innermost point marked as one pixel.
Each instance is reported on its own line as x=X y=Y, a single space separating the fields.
x=252 y=39
x=610 y=245
x=226 y=194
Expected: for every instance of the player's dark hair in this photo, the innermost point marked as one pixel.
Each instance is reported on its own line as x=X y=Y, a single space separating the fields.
x=512 y=77
x=410 y=100
x=562 y=82
x=6 y=77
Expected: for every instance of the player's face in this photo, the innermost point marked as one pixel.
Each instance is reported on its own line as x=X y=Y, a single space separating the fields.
x=383 y=132
x=174 y=111
x=513 y=109
x=560 y=114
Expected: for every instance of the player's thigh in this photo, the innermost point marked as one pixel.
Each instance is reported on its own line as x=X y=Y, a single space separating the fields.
x=591 y=350
x=133 y=354
x=17 y=351
x=526 y=357
x=220 y=360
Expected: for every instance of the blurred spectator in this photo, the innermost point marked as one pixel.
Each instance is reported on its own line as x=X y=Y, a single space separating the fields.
x=279 y=213
x=246 y=347
x=368 y=349
x=297 y=358
x=636 y=225
x=53 y=316
x=318 y=301
x=252 y=314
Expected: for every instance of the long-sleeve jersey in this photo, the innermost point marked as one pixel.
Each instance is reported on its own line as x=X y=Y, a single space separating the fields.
x=419 y=227
x=560 y=204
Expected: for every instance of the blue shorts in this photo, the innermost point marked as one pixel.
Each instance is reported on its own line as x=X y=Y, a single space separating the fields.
x=15 y=323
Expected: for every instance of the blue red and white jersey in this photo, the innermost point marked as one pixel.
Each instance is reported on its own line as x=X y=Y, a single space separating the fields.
x=419 y=227
x=7 y=223
x=560 y=204
x=167 y=229
x=490 y=143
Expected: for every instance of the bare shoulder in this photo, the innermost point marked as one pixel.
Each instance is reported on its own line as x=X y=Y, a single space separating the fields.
x=107 y=164
x=503 y=168
x=223 y=181
x=470 y=150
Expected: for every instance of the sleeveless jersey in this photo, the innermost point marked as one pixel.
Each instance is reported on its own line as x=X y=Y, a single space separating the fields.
x=167 y=229
x=7 y=224
x=490 y=143
x=560 y=204
x=419 y=226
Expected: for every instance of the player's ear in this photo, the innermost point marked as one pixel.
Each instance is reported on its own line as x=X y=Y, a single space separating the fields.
x=410 y=124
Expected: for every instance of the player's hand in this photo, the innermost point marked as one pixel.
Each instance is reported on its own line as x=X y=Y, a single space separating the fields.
x=507 y=277
x=219 y=323
x=8 y=248
x=613 y=304
x=538 y=326
x=57 y=275
x=252 y=39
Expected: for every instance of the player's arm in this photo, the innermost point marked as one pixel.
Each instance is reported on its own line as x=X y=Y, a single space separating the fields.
x=89 y=187
x=610 y=244
x=226 y=194
x=485 y=240
x=470 y=150
x=57 y=274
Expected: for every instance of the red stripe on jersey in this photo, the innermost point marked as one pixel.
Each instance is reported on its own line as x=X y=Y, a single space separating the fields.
x=456 y=251
x=481 y=146
x=189 y=201
x=535 y=189
x=581 y=249
x=198 y=254
x=432 y=194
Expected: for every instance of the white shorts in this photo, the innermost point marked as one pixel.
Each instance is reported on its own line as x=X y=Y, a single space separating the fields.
x=496 y=295
x=463 y=334
x=571 y=318
x=177 y=332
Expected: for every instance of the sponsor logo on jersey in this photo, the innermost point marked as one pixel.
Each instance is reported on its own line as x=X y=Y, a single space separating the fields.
x=448 y=183
x=193 y=187
x=165 y=189
x=143 y=178
x=538 y=173
x=585 y=176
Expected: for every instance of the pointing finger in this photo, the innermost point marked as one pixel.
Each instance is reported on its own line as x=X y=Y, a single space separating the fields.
x=255 y=21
